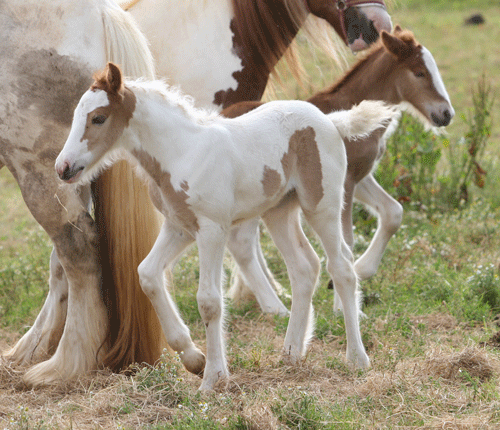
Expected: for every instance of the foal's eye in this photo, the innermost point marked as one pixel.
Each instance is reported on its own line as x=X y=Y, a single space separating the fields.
x=99 y=120
x=419 y=74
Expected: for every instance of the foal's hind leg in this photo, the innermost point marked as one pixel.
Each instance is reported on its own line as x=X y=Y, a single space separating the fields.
x=390 y=215
x=170 y=243
x=41 y=340
x=283 y=223
x=244 y=246
x=340 y=267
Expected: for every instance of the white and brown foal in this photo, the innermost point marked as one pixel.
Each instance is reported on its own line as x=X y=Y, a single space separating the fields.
x=209 y=173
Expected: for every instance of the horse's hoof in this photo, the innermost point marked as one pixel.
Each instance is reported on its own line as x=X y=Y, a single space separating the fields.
x=194 y=361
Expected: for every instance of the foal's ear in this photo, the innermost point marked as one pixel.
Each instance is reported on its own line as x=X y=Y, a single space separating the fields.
x=113 y=77
x=395 y=45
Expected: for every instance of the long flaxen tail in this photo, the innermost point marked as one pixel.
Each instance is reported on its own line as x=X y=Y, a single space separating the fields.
x=363 y=119
x=127 y=222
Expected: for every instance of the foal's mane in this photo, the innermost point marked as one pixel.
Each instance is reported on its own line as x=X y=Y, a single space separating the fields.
x=375 y=51
x=174 y=96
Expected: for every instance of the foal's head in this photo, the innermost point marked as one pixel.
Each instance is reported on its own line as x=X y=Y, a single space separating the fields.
x=416 y=77
x=102 y=114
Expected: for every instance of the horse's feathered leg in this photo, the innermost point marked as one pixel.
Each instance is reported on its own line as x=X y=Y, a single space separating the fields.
x=73 y=232
x=283 y=223
x=41 y=340
x=170 y=243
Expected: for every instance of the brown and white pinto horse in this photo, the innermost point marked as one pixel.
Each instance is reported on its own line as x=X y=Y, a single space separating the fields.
x=47 y=50
x=397 y=70
x=39 y=42
x=223 y=51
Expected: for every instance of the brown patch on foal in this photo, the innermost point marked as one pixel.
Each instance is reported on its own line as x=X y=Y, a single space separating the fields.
x=271 y=181
x=118 y=113
x=303 y=154
x=177 y=199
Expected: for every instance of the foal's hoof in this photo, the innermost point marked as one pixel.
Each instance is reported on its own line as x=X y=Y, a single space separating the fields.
x=194 y=361
x=359 y=359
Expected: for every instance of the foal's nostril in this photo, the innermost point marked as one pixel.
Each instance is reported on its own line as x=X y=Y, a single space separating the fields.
x=66 y=173
x=443 y=120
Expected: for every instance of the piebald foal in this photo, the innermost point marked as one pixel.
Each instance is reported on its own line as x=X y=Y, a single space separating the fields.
x=211 y=173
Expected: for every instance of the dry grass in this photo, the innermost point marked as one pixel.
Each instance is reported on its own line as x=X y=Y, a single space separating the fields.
x=446 y=385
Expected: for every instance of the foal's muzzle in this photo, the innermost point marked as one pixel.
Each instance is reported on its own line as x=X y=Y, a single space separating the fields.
x=69 y=174
x=442 y=120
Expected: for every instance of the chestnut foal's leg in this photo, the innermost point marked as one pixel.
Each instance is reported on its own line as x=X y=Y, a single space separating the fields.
x=390 y=215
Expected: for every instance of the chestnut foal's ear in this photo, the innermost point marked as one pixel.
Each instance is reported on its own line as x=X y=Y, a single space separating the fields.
x=395 y=45
x=397 y=29
x=113 y=77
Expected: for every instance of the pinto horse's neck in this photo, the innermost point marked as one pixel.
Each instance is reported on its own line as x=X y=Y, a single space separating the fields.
x=263 y=30
x=368 y=79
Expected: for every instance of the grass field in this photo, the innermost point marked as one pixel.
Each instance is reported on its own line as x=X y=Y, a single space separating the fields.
x=431 y=329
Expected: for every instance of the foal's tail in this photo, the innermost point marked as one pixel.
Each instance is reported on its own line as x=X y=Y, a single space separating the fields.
x=363 y=119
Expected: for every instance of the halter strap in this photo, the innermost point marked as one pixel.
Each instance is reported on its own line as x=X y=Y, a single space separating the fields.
x=342 y=6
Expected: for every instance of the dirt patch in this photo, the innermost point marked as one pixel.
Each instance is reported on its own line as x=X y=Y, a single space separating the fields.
x=437 y=321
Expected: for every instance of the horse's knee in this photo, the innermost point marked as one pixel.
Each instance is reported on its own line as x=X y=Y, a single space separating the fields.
x=148 y=279
x=242 y=244
x=209 y=305
x=343 y=275
x=394 y=218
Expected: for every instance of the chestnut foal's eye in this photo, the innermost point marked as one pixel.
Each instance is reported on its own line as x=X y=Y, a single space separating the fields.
x=419 y=74
x=99 y=120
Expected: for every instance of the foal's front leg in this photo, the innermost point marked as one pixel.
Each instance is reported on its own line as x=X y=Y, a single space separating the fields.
x=211 y=240
x=390 y=215
x=170 y=243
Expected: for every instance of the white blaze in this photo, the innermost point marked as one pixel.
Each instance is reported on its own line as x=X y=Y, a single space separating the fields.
x=432 y=67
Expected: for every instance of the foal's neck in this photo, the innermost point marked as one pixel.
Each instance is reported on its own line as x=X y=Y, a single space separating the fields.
x=164 y=126
x=367 y=80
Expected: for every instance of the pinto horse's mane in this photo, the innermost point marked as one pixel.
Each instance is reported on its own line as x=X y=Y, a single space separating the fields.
x=269 y=32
